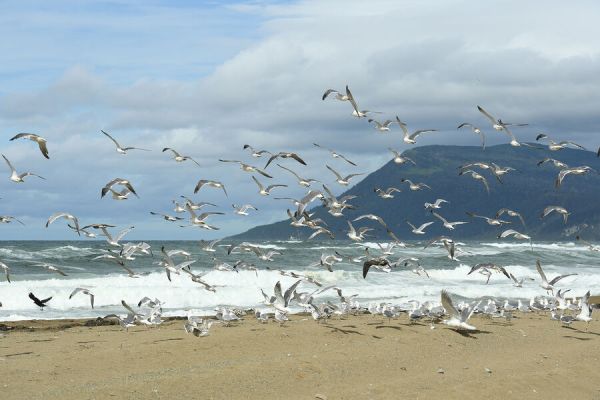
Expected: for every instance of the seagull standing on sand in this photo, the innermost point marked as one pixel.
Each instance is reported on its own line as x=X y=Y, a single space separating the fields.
x=35 y=138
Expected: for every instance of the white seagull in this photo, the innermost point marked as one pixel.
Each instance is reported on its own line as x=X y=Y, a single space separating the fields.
x=35 y=138
x=458 y=320
x=19 y=178
x=121 y=149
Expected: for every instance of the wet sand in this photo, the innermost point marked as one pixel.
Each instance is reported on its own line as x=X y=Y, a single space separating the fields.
x=361 y=357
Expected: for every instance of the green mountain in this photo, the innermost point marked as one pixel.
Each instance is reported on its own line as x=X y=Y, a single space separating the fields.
x=528 y=190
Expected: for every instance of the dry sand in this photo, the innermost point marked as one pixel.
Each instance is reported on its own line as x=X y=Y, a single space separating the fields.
x=361 y=357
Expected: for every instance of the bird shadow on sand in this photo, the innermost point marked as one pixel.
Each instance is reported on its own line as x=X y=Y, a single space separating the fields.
x=166 y=340
x=470 y=334
x=578 y=338
x=388 y=327
x=344 y=331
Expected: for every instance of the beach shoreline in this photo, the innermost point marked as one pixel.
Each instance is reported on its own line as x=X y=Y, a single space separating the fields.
x=358 y=357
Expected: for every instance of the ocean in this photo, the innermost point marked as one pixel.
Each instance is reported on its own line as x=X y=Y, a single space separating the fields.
x=110 y=284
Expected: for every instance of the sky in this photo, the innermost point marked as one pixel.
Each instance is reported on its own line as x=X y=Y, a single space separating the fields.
x=207 y=77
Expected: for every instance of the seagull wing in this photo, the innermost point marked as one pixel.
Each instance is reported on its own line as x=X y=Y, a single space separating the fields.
x=448 y=306
x=9 y=164
x=558 y=278
x=487 y=115
x=338 y=176
x=112 y=138
x=538 y=266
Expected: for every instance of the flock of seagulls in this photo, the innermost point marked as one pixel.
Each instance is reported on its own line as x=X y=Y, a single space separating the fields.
x=278 y=306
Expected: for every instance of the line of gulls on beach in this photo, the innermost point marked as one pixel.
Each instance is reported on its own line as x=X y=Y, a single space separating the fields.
x=277 y=305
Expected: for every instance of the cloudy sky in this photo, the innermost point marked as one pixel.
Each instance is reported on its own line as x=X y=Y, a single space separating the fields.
x=207 y=77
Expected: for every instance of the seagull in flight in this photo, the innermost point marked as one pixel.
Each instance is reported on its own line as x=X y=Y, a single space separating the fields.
x=554 y=146
x=490 y=221
x=344 y=181
x=243 y=209
x=558 y=164
x=399 y=158
x=19 y=178
x=475 y=130
x=516 y=235
x=120 y=182
x=84 y=291
x=178 y=157
x=121 y=149
x=548 y=285
x=458 y=320
x=66 y=216
x=301 y=181
x=511 y=213
x=382 y=126
x=421 y=229
x=40 y=303
x=355 y=111
x=167 y=217
x=256 y=153
x=7 y=219
x=386 y=194
x=283 y=154
x=51 y=268
x=411 y=138
x=35 y=138
x=560 y=210
x=265 y=191
x=436 y=205
x=206 y=182
x=335 y=154
x=447 y=225
x=415 y=186
x=476 y=176
x=6 y=271
x=338 y=96
x=571 y=171
x=247 y=168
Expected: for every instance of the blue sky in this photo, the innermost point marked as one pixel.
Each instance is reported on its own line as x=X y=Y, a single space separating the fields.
x=208 y=77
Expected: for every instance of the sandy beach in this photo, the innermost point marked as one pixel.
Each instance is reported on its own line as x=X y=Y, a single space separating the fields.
x=361 y=357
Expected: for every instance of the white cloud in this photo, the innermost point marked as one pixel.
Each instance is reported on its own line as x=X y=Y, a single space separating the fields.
x=431 y=64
